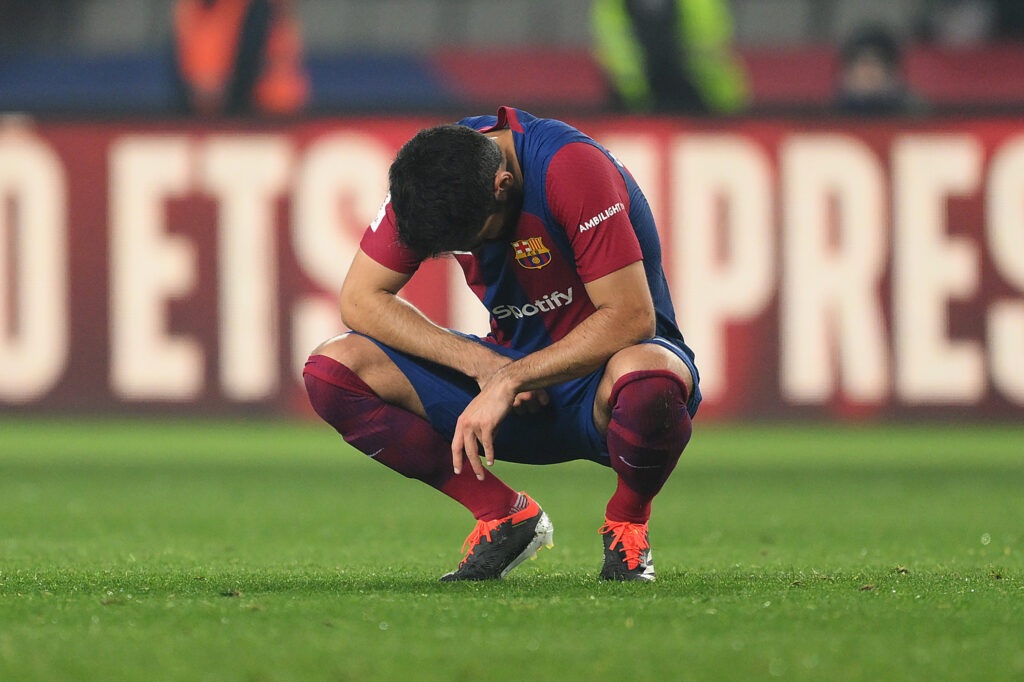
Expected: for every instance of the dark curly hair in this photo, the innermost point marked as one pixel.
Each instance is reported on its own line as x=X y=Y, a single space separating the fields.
x=442 y=188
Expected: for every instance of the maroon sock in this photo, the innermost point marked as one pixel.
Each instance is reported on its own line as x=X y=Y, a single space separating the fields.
x=398 y=439
x=648 y=430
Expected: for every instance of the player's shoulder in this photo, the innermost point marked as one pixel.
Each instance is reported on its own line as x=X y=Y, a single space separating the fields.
x=478 y=122
x=551 y=133
x=551 y=147
x=582 y=152
x=581 y=164
x=381 y=243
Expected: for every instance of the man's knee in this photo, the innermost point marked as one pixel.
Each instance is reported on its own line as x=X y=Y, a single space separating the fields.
x=647 y=356
x=352 y=350
x=336 y=393
x=649 y=405
x=366 y=362
x=649 y=377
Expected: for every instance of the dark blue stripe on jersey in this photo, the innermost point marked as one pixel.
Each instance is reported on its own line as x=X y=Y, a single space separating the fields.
x=479 y=122
x=642 y=219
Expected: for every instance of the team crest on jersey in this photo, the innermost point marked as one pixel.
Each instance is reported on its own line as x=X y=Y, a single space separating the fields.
x=531 y=253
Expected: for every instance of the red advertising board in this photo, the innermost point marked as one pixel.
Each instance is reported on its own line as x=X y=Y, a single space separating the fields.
x=819 y=269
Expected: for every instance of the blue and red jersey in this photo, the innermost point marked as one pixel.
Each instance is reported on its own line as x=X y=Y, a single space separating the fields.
x=583 y=217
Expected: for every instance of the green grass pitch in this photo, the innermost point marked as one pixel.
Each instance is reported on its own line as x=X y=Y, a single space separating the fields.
x=201 y=550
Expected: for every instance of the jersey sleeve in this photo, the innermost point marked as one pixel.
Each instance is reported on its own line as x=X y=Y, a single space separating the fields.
x=588 y=197
x=380 y=242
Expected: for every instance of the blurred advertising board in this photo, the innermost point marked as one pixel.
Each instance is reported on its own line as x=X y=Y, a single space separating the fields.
x=819 y=268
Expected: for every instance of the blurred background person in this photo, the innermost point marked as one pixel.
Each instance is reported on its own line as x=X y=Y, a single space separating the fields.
x=960 y=23
x=669 y=56
x=27 y=25
x=1009 y=20
x=238 y=57
x=871 y=79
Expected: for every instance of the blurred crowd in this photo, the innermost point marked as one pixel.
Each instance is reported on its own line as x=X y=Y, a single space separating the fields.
x=235 y=57
x=242 y=57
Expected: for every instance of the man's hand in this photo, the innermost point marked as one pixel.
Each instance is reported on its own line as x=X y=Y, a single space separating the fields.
x=530 y=402
x=490 y=363
x=478 y=422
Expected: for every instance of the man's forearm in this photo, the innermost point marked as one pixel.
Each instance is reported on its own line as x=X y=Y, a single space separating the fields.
x=392 y=320
x=624 y=316
x=581 y=351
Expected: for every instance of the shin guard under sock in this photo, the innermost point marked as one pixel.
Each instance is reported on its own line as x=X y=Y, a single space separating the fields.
x=648 y=431
x=398 y=439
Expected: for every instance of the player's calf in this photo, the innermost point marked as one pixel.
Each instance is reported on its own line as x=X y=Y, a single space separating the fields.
x=375 y=428
x=397 y=438
x=649 y=429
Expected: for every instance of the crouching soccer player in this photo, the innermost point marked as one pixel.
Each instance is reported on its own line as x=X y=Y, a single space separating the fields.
x=583 y=361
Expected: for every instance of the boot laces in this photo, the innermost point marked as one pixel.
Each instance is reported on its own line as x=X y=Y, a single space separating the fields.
x=481 y=530
x=631 y=537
